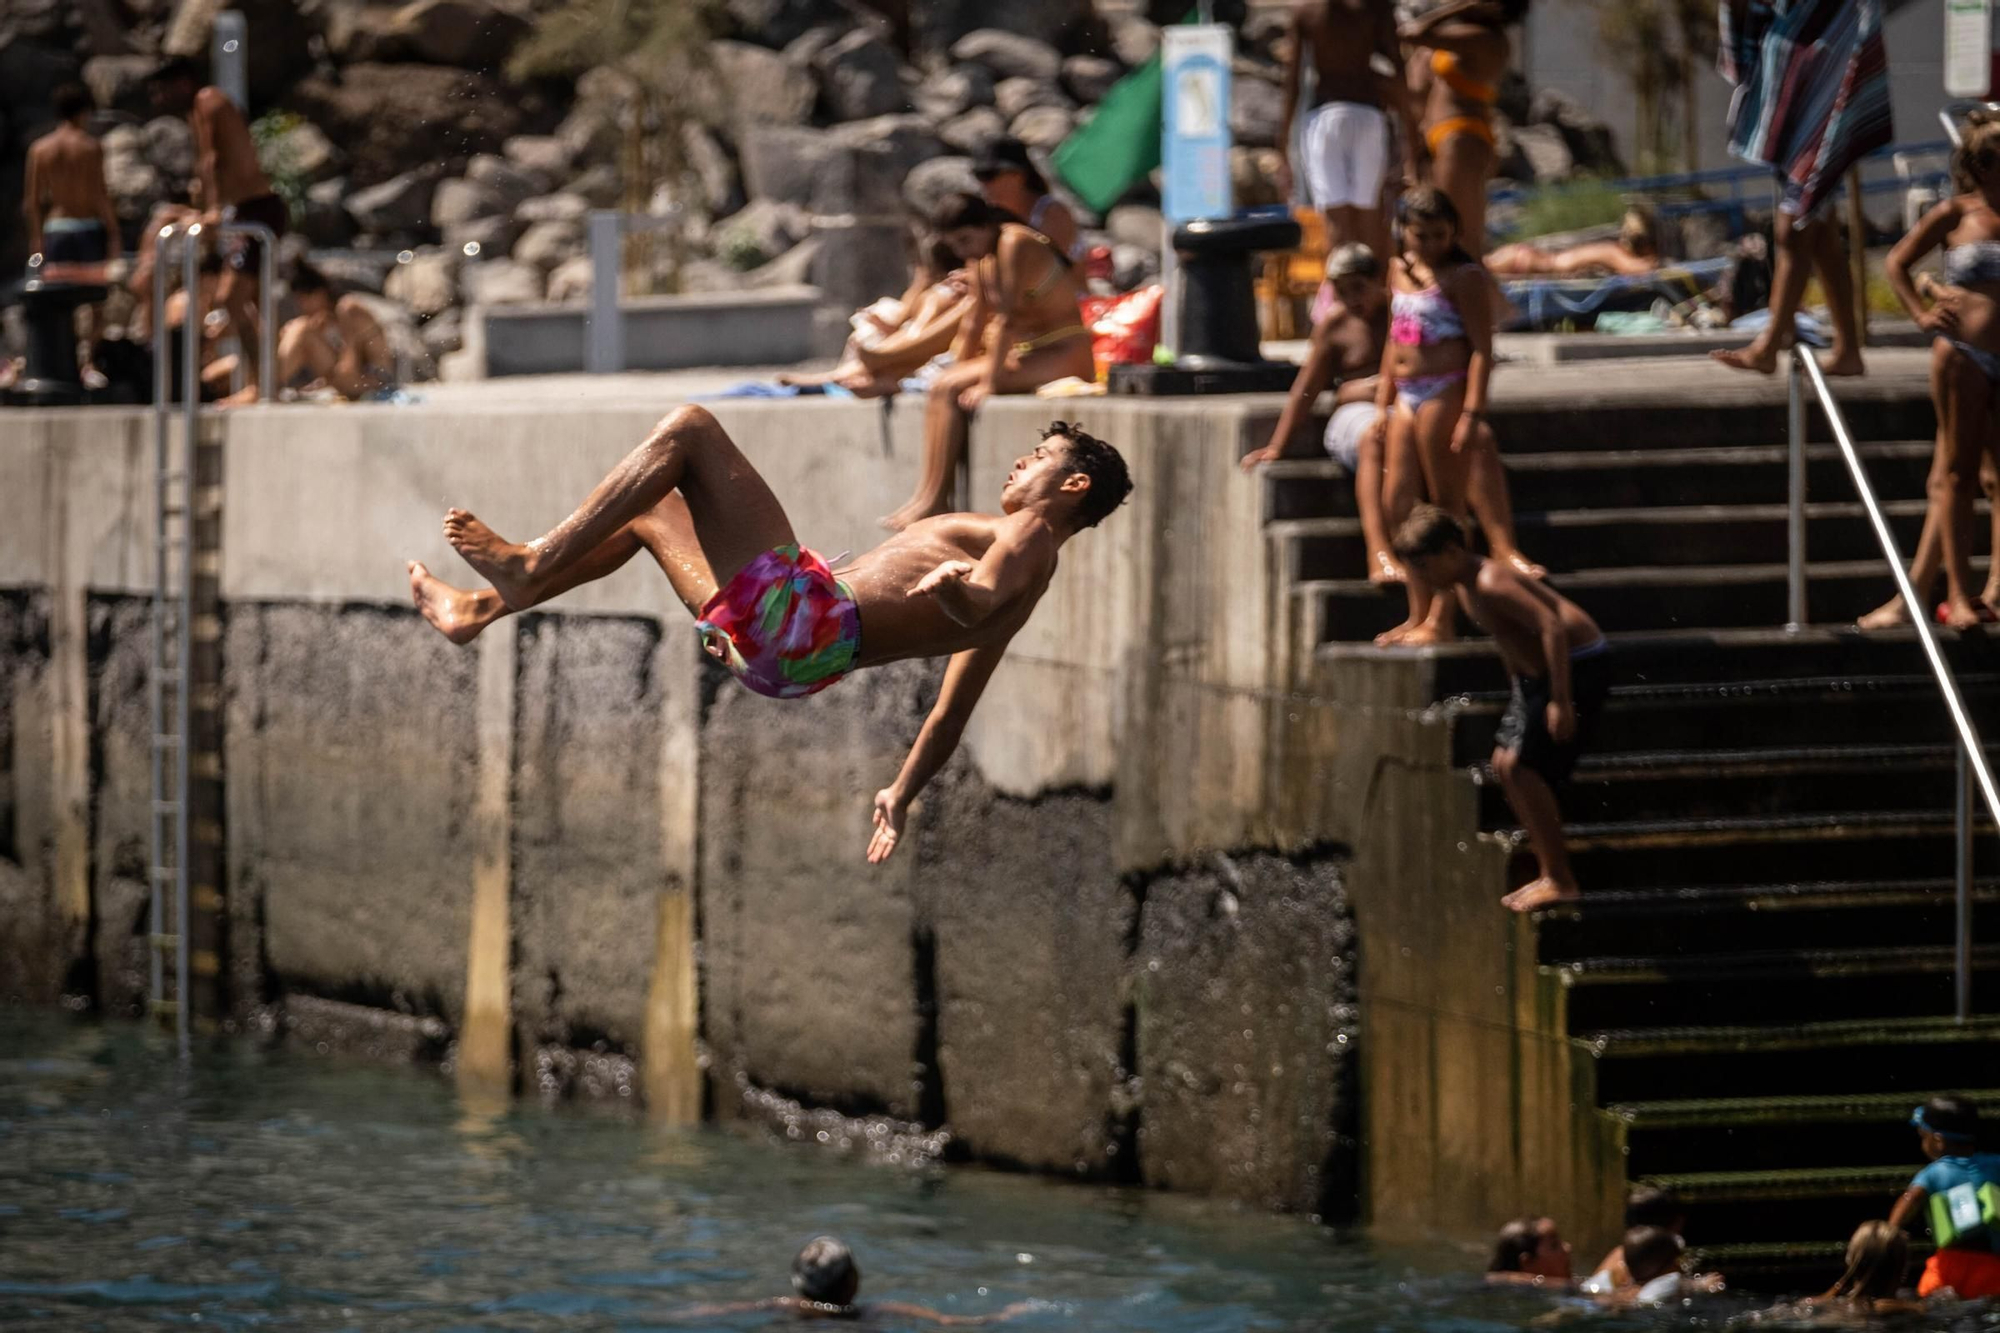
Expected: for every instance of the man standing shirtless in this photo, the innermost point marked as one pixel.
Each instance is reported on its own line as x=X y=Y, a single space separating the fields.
x=772 y=611
x=229 y=186
x=1560 y=666
x=1346 y=147
x=69 y=213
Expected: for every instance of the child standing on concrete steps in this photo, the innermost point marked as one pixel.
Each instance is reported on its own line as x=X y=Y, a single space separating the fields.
x=1558 y=660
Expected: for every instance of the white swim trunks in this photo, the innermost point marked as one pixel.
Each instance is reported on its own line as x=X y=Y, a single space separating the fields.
x=1349 y=423
x=1346 y=152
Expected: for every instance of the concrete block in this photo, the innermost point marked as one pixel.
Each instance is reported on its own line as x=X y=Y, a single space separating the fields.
x=587 y=849
x=1030 y=921
x=1245 y=991
x=352 y=761
x=809 y=985
x=661 y=332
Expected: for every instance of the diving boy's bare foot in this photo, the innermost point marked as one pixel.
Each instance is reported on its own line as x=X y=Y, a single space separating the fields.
x=1762 y=360
x=1523 y=566
x=1534 y=896
x=1383 y=568
x=1890 y=615
x=504 y=563
x=451 y=611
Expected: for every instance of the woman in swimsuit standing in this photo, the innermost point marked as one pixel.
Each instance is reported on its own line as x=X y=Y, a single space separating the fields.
x=1963 y=318
x=1436 y=373
x=1469 y=51
x=1023 y=329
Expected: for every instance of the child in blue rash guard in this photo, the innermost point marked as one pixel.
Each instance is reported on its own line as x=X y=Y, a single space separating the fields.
x=1960 y=1195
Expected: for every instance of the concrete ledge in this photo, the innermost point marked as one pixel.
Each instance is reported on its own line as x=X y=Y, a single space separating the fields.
x=661 y=333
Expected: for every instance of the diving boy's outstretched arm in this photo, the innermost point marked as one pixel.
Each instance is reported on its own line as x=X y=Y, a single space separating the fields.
x=965 y=680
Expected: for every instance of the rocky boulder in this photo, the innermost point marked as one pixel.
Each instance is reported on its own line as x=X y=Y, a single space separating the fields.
x=302 y=152
x=721 y=191
x=542 y=156
x=779 y=23
x=932 y=182
x=860 y=77
x=443 y=335
x=1545 y=152
x=968 y=131
x=1013 y=96
x=759 y=233
x=465 y=34
x=559 y=207
x=1592 y=146
x=953 y=91
x=389 y=118
x=427 y=282
x=571 y=280
x=1088 y=78
x=490 y=237
x=119 y=82
x=599 y=186
x=500 y=282
x=402 y=204
x=322 y=217
x=1254 y=108
x=508 y=182
x=1009 y=55
x=1138 y=225
x=1042 y=126
x=129 y=174
x=1133 y=40
x=750 y=85
x=547 y=244
x=170 y=150
x=939 y=25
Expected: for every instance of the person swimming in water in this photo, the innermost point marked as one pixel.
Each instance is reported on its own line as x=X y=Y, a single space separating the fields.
x=772 y=611
x=826 y=1284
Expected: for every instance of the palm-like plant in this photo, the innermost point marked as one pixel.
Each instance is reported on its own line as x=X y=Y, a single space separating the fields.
x=659 y=50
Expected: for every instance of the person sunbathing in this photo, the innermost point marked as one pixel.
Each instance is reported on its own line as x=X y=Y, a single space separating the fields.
x=893 y=339
x=1635 y=253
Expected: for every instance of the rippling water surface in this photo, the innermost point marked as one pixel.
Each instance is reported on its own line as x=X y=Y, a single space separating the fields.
x=275 y=1190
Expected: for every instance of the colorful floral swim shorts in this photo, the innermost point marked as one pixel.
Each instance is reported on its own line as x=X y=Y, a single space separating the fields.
x=784 y=626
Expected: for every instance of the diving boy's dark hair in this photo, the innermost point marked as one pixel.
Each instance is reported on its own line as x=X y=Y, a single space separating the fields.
x=302 y=278
x=959 y=211
x=1651 y=1252
x=72 y=100
x=825 y=1273
x=1951 y=1118
x=1651 y=1206
x=1515 y=1245
x=1427 y=203
x=1428 y=531
x=1110 y=480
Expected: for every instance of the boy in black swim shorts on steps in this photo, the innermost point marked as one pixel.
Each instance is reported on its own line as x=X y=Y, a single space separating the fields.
x=1560 y=666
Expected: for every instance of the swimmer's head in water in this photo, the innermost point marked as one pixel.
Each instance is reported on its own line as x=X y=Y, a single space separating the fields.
x=1530 y=1245
x=825 y=1273
x=1069 y=470
x=1651 y=1252
x=1427 y=227
x=1878 y=1255
x=969 y=225
x=1432 y=543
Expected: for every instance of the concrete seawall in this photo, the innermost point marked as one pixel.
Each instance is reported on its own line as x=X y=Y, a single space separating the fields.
x=574 y=855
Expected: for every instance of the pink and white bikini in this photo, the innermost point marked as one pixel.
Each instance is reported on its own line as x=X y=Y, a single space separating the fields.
x=1421 y=319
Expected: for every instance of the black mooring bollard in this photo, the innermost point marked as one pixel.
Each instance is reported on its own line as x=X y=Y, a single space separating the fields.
x=52 y=377
x=1218 y=351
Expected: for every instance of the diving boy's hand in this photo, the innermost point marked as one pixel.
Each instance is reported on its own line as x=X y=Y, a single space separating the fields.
x=951 y=571
x=1562 y=721
x=890 y=811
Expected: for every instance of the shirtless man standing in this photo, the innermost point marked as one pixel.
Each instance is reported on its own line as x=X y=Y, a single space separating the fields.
x=229 y=186
x=1560 y=665
x=782 y=622
x=69 y=212
x=1346 y=149
x=1023 y=329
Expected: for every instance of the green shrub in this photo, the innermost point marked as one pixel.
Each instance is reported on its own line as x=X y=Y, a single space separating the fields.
x=288 y=181
x=1569 y=208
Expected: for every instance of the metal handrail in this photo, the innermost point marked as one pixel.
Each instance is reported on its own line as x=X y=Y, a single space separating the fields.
x=1949 y=113
x=1971 y=749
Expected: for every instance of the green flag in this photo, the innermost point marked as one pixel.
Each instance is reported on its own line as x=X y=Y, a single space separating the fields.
x=1120 y=145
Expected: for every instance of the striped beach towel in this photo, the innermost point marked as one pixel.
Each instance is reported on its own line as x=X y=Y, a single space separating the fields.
x=1812 y=90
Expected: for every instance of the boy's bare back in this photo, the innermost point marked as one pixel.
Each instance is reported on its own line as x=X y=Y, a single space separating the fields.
x=1515 y=609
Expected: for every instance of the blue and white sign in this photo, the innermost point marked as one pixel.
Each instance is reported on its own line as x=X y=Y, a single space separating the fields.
x=1195 y=122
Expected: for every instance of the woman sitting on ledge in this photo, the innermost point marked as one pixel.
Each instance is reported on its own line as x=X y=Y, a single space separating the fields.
x=894 y=339
x=1635 y=253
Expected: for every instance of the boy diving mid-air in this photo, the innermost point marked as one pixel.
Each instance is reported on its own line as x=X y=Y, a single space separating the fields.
x=783 y=622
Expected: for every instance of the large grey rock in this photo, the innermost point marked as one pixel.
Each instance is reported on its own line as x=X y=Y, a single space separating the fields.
x=1013 y=96
x=721 y=190
x=355 y=273
x=590 y=134
x=129 y=175
x=303 y=152
x=398 y=205
x=953 y=91
x=1009 y=55
x=427 y=284
x=701 y=276
x=489 y=237
x=466 y=34
x=561 y=206
x=786 y=164
x=749 y=85
x=322 y=216
x=500 y=282
x=1136 y=224
x=779 y=23
x=542 y=155
x=571 y=279
x=170 y=148
x=931 y=182
x=939 y=25
x=119 y=82
x=1546 y=150
x=547 y=244
x=443 y=335
x=510 y=183
x=794 y=268
x=599 y=186
x=1088 y=78
x=1254 y=107
x=760 y=233
x=392 y=118
x=1245 y=998
x=456 y=201
x=969 y=130
x=1133 y=266
x=860 y=77
x=1133 y=40
x=1590 y=141
x=1042 y=126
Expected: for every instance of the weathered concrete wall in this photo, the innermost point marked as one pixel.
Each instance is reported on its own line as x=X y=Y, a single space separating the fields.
x=533 y=849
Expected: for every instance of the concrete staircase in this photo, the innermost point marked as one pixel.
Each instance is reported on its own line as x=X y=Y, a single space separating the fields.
x=1758 y=986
